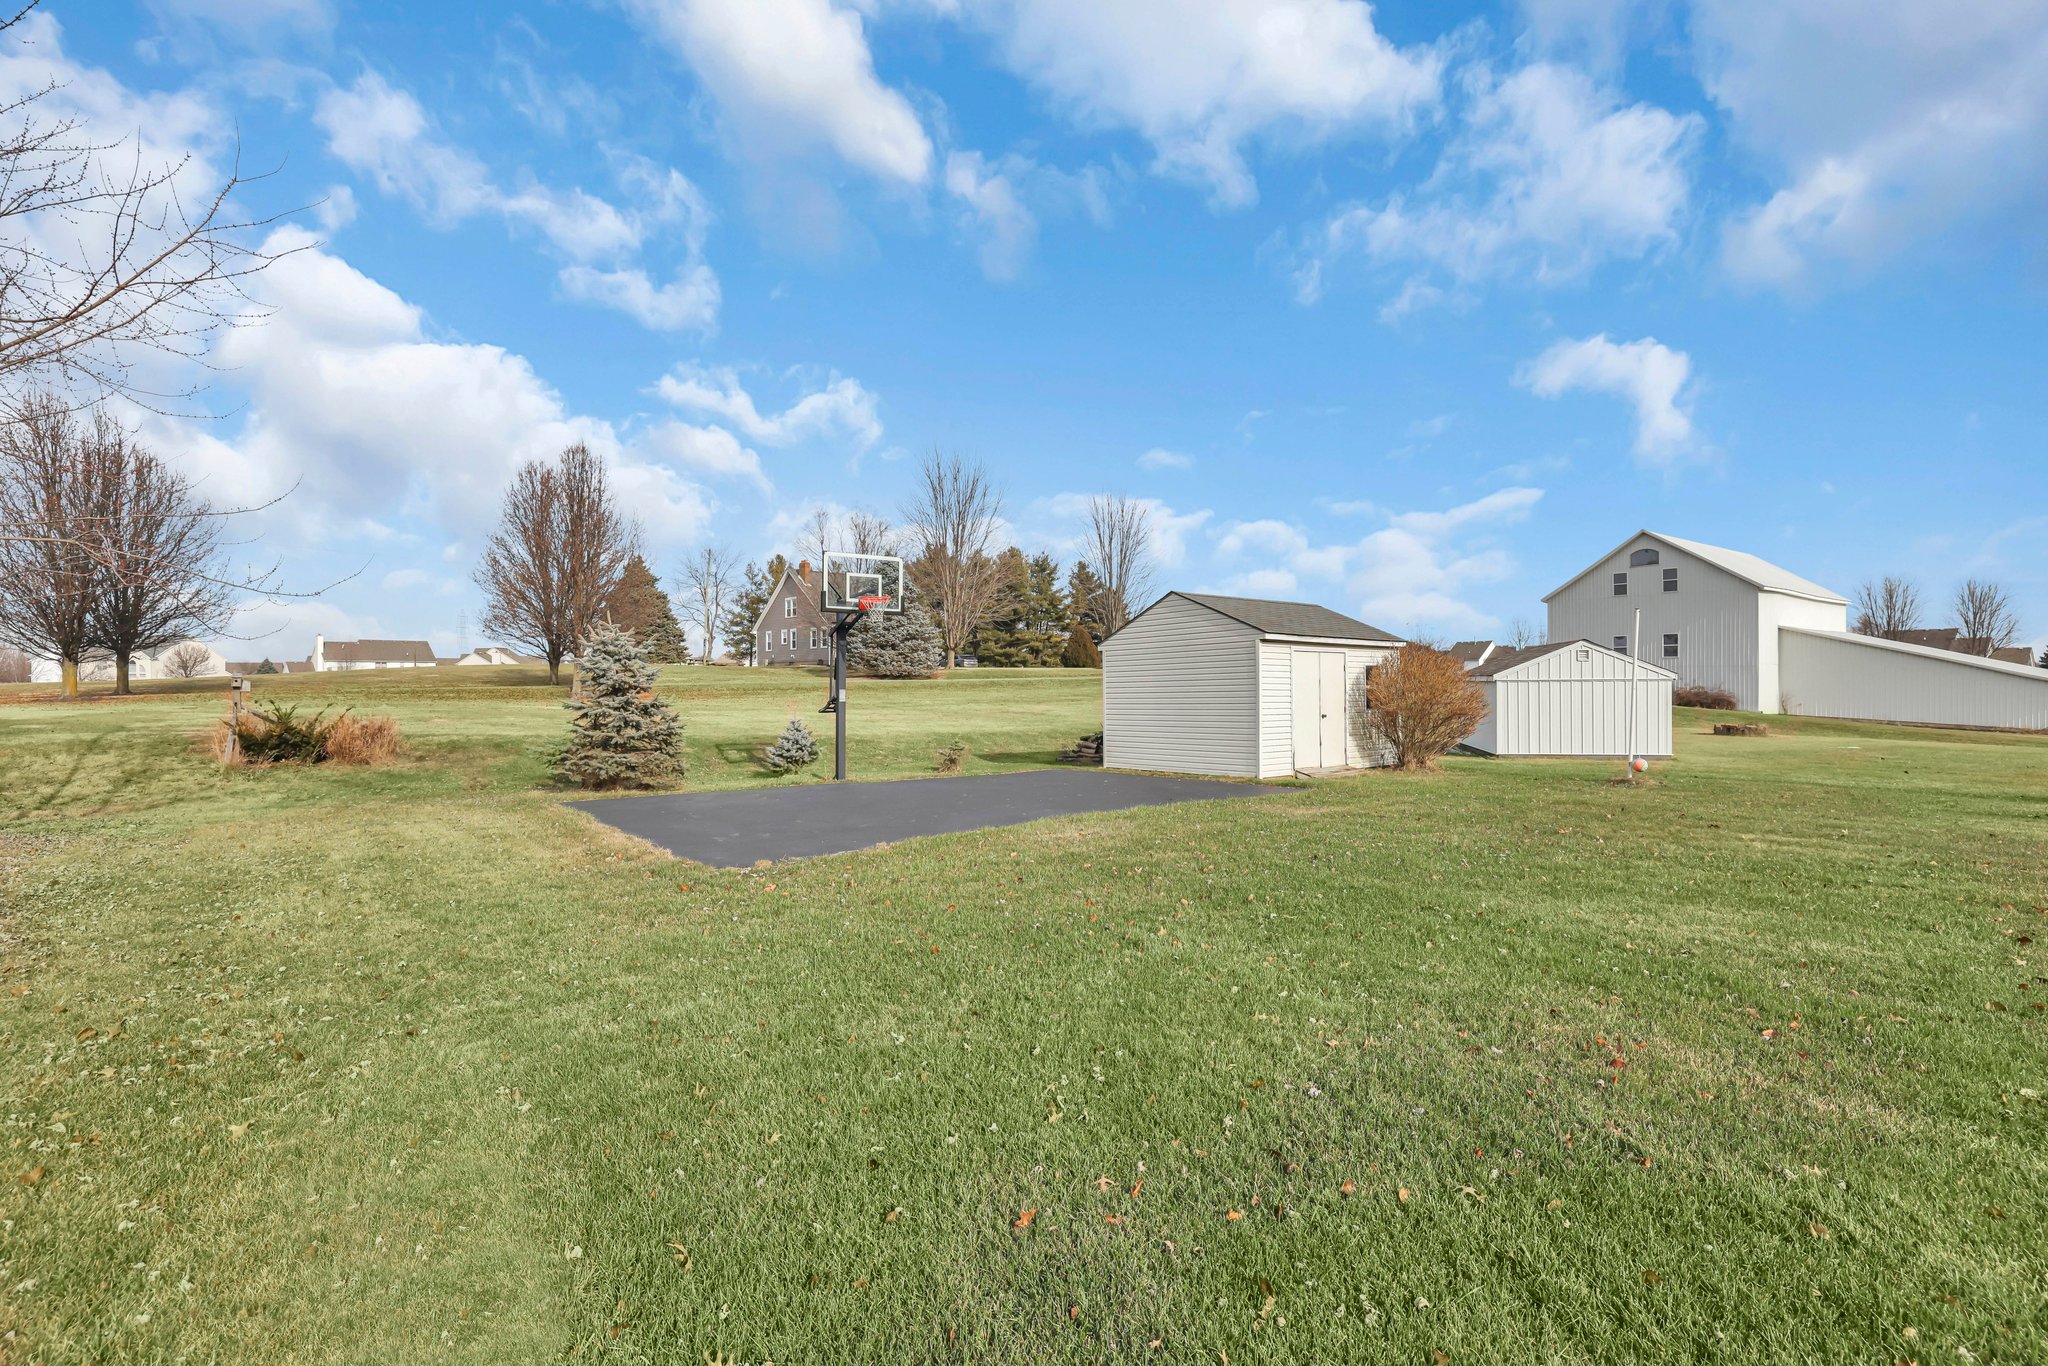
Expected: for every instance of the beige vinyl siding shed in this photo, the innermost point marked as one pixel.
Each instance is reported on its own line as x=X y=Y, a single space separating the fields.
x=1235 y=687
x=1572 y=698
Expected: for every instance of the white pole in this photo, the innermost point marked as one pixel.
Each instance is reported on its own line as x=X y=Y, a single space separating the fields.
x=1635 y=648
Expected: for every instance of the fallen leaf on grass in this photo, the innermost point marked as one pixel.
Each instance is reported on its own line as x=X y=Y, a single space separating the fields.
x=239 y=1130
x=1023 y=1220
x=1402 y=1195
x=31 y=1176
x=1348 y=1187
x=1232 y=1215
x=1652 y=1277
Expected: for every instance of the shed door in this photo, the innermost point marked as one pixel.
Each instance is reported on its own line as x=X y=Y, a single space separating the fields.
x=1318 y=709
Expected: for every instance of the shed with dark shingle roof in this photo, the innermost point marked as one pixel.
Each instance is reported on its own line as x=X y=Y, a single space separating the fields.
x=1241 y=687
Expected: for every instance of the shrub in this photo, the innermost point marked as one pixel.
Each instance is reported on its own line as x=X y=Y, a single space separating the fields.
x=353 y=739
x=282 y=736
x=1692 y=695
x=794 y=750
x=1081 y=651
x=1419 y=704
x=622 y=734
x=951 y=757
x=898 y=645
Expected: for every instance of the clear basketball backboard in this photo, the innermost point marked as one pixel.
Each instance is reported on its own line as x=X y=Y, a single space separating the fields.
x=855 y=582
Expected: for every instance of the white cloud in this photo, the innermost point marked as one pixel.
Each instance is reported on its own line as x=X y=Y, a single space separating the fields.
x=842 y=406
x=1930 y=115
x=1158 y=458
x=791 y=76
x=1550 y=176
x=711 y=450
x=372 y=423
x=1002 y=202
x=1408 y=575
x=1650 y=375
x=1201 y=81
x=381 y=131
x=689 y=302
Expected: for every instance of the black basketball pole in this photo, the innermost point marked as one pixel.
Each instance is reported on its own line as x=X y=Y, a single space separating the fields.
x=837 y=703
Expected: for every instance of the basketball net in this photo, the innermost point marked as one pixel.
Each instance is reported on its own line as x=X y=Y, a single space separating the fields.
x=868 y=602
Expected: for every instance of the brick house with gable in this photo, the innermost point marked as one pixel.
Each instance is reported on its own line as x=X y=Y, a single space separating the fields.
x=792 y=628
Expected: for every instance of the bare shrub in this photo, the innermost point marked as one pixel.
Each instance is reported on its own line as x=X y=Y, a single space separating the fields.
x=360 y=740
x=1419 y=704
x=951 y=757
x=1693 y=695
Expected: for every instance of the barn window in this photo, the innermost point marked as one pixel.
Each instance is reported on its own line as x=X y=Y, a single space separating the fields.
x=1621 y=585
x=1671 y=580
x=1621 y=644
x=1671 y=645
x=1640 y=557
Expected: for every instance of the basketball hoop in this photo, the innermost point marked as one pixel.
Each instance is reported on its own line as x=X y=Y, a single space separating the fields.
x=870 y=601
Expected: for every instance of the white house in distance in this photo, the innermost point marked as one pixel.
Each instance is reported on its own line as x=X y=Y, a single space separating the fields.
x=370 y=654
x=179 y=659
x=1725 y=619
x=1571 y=698
x=1237 y=687
x=496 y=654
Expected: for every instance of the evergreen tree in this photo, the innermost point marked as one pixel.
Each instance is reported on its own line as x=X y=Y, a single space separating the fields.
x=266 y=667
x=2043 y=660
x=1087 y=600
x=999 y=642
x=1081 y=652
x=746 y=609
x=622 y=734
x=1029 y=625
x=794 y=750
x=638 y=605
x=896 y=645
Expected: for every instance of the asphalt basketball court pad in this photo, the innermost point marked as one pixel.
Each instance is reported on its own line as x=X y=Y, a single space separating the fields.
x=739 y=829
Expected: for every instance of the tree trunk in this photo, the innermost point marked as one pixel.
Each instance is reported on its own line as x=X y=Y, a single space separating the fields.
x=121 y=688
x=70 y=672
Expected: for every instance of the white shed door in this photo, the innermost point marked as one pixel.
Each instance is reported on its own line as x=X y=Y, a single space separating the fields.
x=1318 y=709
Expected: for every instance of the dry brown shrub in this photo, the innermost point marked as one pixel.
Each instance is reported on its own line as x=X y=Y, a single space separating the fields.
x=356 y=739
x=1692 y=695
x=1419 y=704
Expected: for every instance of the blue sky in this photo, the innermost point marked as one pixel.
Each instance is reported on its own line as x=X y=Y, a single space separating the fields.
x=1410 y=309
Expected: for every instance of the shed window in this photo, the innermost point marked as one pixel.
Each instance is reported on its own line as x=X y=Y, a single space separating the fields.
x=1645 y=556
x=1621 y=644
x=1621 y=585
x=1671 y=580
x=1370 y=669
x=1671 y=645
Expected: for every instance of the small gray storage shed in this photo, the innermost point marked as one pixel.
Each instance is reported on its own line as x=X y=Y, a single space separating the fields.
x=1572 y=698
x=1238 y=687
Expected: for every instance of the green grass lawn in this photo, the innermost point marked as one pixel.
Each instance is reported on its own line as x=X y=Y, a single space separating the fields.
x=1509 y=1063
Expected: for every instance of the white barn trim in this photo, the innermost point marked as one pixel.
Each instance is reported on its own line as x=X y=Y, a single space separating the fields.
x=1214 y=685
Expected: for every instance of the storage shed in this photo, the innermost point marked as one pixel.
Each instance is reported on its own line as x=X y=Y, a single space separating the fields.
x=1237 y=687
x=1572 y=698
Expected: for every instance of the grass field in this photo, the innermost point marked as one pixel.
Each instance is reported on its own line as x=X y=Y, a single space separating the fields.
x=1510 y=1063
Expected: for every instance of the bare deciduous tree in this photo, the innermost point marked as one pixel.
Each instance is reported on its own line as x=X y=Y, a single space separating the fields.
x=951 y=523
x=1522 y=633
x=101 y=257
x=710 y=583
x=1887 y=607
x=1985 y=617
x=190 y=660
x=560 y=546
x=858 y=531
x=157 y=547
x=1120 y=549
x=15 y=667
x=47 y=570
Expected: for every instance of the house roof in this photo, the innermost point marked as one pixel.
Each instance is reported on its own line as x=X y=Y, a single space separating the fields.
x=1470 y=652
x=1751 y=569
x=2016 y=665
x=1287 y=618
x=365 y=651
x=1504 y=659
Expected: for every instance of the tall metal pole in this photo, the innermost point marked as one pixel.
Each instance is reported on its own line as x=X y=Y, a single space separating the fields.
x=839 y=631
x=1635 y=652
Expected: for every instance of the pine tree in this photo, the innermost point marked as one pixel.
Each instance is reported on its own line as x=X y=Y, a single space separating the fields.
x=266 y=667
x=622 y=734
x=1087 y=599
x=896 y=645
x=1081 y=652
x=1029 y=624
x=794 y=750
x=746 y=609
x=638 y=605
x=998 y=643
x=2043 y=660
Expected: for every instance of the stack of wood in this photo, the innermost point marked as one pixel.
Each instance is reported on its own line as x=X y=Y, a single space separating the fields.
x=1089 y=751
